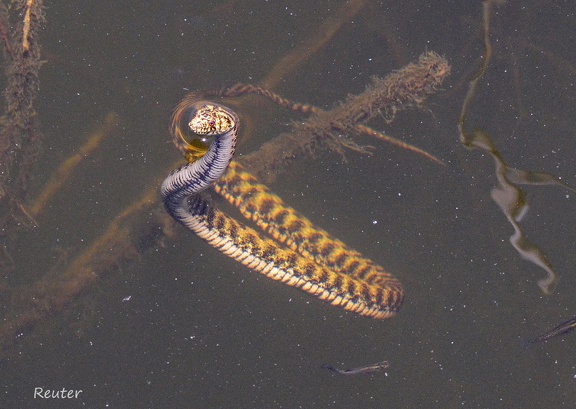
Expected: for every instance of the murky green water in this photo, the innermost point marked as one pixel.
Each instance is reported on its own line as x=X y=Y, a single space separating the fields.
x=186 y=327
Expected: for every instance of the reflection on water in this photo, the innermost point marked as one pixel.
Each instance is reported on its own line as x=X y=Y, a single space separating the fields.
x=198 y=327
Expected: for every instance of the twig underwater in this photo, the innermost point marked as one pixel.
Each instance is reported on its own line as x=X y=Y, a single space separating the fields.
x=331 y=127
x=20 y=135
x=402 y=89
x=63 y=173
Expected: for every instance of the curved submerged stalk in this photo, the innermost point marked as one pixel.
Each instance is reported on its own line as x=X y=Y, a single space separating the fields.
x=508 y=195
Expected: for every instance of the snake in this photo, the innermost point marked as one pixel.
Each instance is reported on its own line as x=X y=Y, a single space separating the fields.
x=292 y=250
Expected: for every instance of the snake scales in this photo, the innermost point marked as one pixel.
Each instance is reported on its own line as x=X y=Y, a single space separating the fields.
x=298 y=253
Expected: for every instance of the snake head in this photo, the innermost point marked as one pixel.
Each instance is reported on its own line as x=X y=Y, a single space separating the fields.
x=211 y=120
x=196 y=123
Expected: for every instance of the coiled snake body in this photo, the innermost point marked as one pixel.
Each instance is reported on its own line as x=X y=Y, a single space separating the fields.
x=299 y=254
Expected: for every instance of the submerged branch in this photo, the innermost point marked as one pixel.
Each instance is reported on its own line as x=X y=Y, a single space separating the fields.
x=407 y=87
x=20 y=135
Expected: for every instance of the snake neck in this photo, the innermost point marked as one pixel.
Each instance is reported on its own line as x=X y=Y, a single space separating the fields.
x=192 y=178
